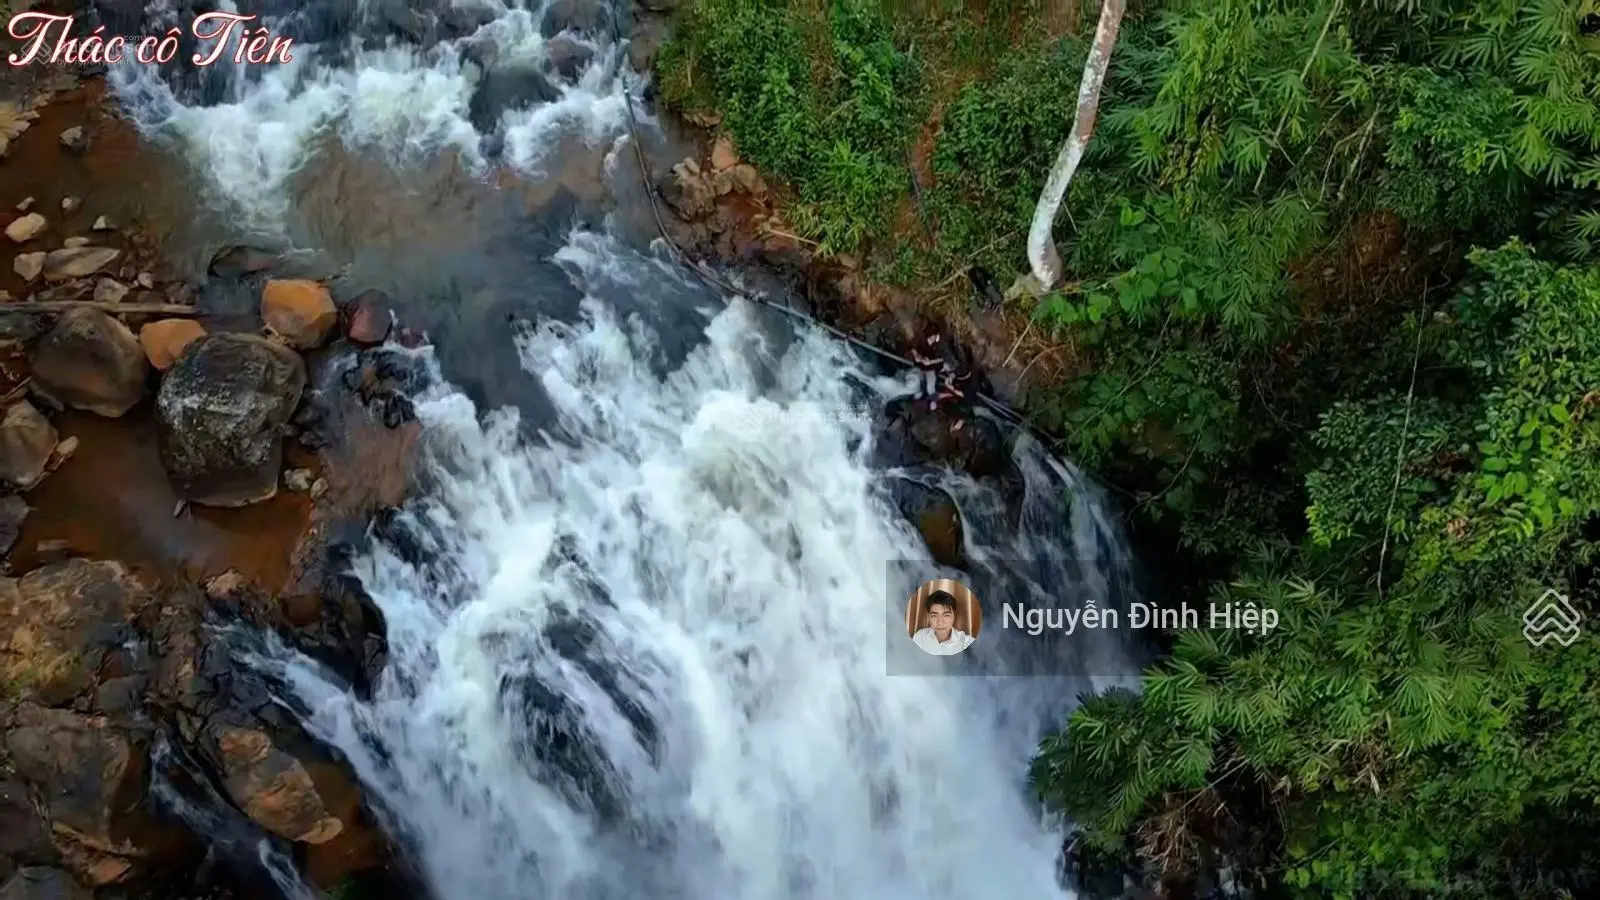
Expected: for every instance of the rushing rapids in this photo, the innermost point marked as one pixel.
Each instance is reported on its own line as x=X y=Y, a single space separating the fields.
x=637 y=611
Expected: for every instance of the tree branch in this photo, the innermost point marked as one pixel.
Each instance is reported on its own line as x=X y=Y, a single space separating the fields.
x=1043 y=257
x=60 y=306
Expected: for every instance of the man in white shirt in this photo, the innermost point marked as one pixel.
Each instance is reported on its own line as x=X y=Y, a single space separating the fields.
x=940 y=637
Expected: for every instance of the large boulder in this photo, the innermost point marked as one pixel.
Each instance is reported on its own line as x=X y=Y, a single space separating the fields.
x=371 y=318
x=589 y=17
x=913 y=434
x=689 y=191
x=59 y=623
x=935 y=516
x=299 y=311
x=26 y=441
x=272 y=787
x=91 y=777
x=502 y=89
x=220 y=414
x=91 y=361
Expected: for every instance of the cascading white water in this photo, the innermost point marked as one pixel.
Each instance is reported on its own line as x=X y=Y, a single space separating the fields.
x=690 y=588
x=642 y=657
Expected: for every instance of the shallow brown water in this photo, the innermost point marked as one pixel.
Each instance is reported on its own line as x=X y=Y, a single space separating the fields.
x=111 y=500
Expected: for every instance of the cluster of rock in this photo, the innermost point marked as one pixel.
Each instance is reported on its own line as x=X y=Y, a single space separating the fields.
x=18 y=115
x=78 y=260
x=102 y=672
x=100 y=669
x=222 y=400
x=692 y=190
x=108 y=675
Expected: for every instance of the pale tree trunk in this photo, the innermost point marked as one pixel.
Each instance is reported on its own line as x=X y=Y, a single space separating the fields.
x=1042 y=255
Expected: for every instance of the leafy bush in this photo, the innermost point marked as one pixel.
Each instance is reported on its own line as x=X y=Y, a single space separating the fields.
x=834 y=124
x=1404 y=728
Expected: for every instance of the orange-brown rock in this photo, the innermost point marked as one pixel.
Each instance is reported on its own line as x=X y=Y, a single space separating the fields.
x=723 y=155
x=300 y=311
x=273 y=788
x=164 y=340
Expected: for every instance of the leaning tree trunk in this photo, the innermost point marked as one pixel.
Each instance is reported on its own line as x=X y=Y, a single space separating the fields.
x=1042 y=255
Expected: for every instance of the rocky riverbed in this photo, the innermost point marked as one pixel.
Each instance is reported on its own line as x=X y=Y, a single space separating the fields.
x=182 y=453
x=167 y=471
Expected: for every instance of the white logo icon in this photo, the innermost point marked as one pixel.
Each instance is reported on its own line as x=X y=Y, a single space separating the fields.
x=1551 y=618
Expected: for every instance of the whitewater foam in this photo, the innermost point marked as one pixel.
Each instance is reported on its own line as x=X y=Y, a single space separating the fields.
x=407 y=102
x=639 y=654
x=723 y=545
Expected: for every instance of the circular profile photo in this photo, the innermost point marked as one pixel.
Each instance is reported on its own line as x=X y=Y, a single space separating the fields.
x=943 y=617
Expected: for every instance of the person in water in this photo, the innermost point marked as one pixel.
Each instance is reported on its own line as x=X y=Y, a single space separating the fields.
x=941 y=637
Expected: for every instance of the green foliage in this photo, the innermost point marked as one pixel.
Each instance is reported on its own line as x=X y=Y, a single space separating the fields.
x=835 y=126
x=996 y=146
x=1365 y=445
x=1296 y=367
x=1407 y=731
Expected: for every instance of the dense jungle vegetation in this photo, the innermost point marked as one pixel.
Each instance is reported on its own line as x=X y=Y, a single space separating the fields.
x=1334 y=286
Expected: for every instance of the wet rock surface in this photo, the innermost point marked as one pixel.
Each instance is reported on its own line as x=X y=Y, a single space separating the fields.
x=239 y=261
x=299 y=311
x=272 y=787
x=506 y=88
x=91 y=361
x=221 y=412
x=24 y=832
x=26 y=441
x=107 y=664
x=165 y=340
x=587 y=17
x=91 y=774
x=59 y=623
x=935 y=516
x=371 y=318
